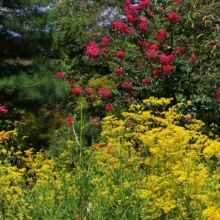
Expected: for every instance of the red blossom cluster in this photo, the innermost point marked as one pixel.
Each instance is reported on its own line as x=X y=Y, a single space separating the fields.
x=121 y=53
x=60 y=75
x=166 y=69
x=105 y=41
x=130 y=18
x=179 y=50
x=152 y=51
x=76 y=91
x=94 y=121
x=108 y=107
x=3 y=109
x=143 y=3
x=105 y=93
x=145 y=44
x=128 y=8
x=161 y=37
x=122 y=27
x=92 y=50
x=143 y=27
x=89 y=91
x=145 y=82
x=166 y=58
x=157 y=72
x=118 y=71
x=173 y=16
x=127 y=85
x=193 y=59
x=69 y=122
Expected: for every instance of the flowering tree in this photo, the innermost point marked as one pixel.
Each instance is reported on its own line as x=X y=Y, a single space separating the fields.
x=147 y=55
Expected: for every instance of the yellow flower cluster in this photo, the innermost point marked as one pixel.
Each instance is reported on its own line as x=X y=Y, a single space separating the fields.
x=152 y=163
x=161 y=161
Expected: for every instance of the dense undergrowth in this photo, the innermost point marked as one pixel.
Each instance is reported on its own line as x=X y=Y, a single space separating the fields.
x=150 y=163
x=128 y=128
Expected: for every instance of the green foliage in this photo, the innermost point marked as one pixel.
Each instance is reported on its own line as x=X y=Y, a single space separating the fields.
x=79 y=23
x=197 y=31
x=151 y=167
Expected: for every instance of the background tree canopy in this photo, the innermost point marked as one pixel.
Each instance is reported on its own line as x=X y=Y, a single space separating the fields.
x=41 y=37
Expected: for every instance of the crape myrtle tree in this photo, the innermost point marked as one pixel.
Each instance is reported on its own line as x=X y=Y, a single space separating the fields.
x=165 y=49
x=78 y=23
x=198 y=31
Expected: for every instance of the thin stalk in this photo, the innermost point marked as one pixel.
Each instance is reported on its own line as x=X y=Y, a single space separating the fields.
x=81 y=136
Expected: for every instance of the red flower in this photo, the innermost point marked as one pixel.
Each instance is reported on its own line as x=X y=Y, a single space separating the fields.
x=145 y=44
x=193 y=59
x=60 y=75
x=89 y=91
x=92 y=50
x=76 y=91
x=127 y=85
x=167 y=69
x=118 y=25
x=118 y=70
x=94 y=121
x=121 y=53
x=128 y=8
x=166 y=59
x=105 y=41
x=108 y=107
x=143 y=27
x=162 y=37
x=173 y=17
x=69 y=122
x=143 y=2
x=130 y=18
x=103 y=92
x=179 y=50
x=154 y=47
x=3 y=109
x=218 y=94
x=157 y=72
x=145 y=82
x=152 y=52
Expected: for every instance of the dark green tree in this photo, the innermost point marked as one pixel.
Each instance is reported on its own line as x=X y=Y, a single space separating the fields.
x=29 y=87
x=28 y=75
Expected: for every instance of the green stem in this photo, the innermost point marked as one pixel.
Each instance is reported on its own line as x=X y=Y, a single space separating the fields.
x=80 y=137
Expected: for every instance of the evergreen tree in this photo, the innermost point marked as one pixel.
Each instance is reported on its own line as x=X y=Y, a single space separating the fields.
x=28 y=75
